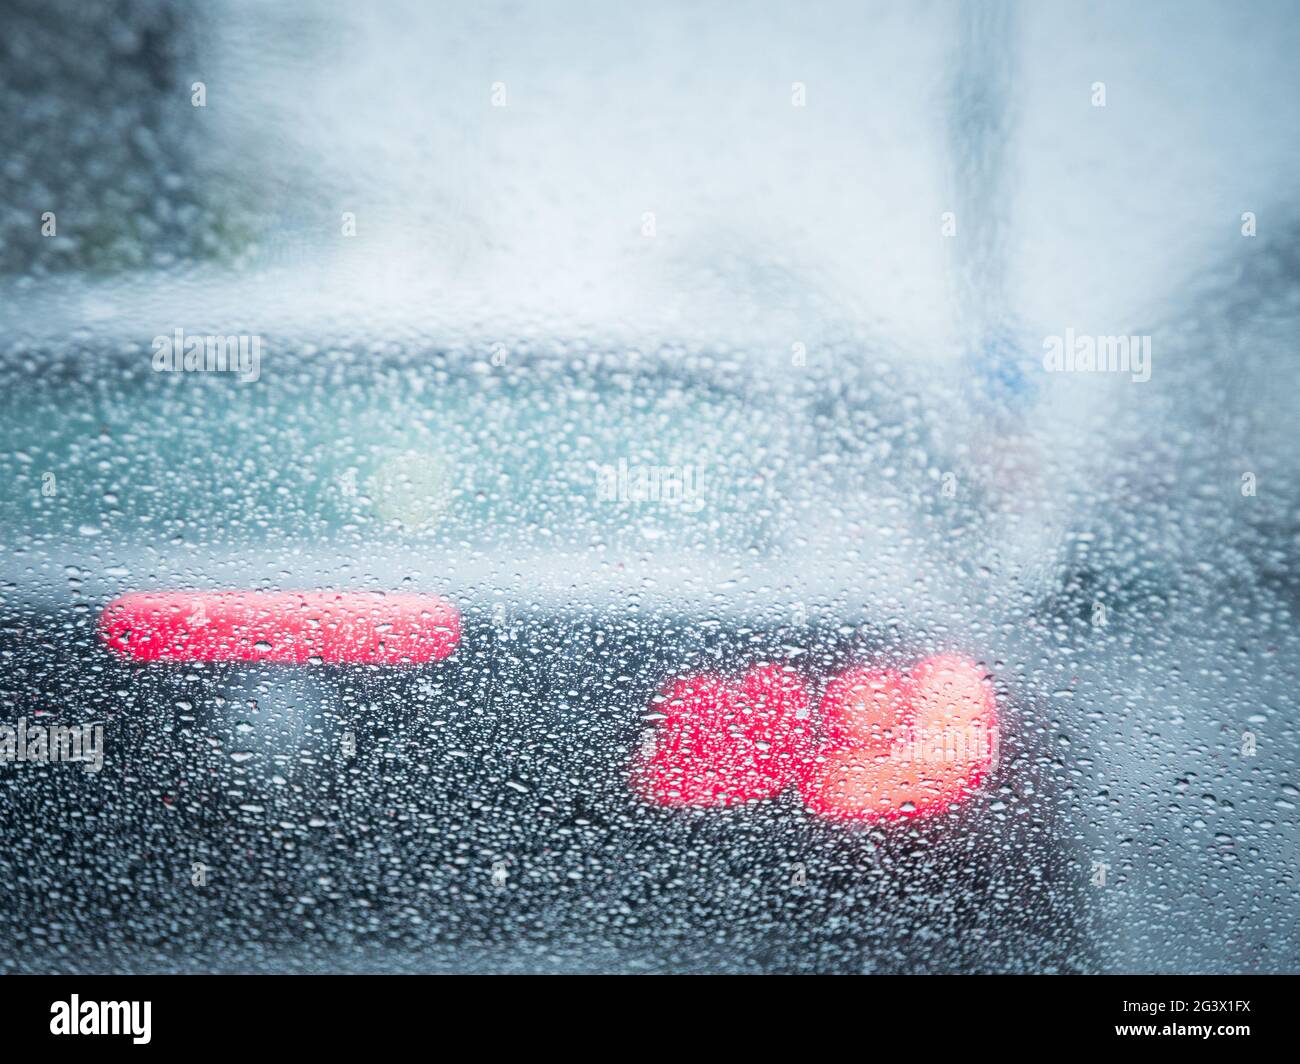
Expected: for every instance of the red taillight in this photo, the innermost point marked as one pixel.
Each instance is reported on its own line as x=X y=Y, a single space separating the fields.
x=721 y=743
x=891 y=745
x=289 y=627
x=899 y=745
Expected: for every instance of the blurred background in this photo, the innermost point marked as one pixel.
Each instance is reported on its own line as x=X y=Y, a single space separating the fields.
x=503 y=155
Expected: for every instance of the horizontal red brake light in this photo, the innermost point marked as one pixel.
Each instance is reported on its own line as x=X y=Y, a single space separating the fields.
x=283 y=627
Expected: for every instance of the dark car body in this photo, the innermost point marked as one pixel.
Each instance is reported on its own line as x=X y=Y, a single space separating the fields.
x=476 y=813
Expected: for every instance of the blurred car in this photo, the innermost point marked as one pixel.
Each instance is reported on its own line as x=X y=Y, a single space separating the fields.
x=482 y=810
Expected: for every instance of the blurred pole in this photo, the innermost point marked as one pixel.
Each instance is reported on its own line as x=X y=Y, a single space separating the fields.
x=981 y=123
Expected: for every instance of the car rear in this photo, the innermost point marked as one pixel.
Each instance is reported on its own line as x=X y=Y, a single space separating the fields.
x=580 y=533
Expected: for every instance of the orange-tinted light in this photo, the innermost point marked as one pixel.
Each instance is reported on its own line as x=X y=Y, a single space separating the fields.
x=898 y=746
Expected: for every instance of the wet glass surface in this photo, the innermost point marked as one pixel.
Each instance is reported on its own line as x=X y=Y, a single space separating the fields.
x=817 y=338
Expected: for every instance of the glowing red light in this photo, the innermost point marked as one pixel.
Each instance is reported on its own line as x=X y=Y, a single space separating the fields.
x=898 y=746
x=721 y=743
x=291 y=627
x=892 y=745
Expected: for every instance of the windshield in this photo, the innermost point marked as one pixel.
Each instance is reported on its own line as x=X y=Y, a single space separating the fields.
x=428 y=452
